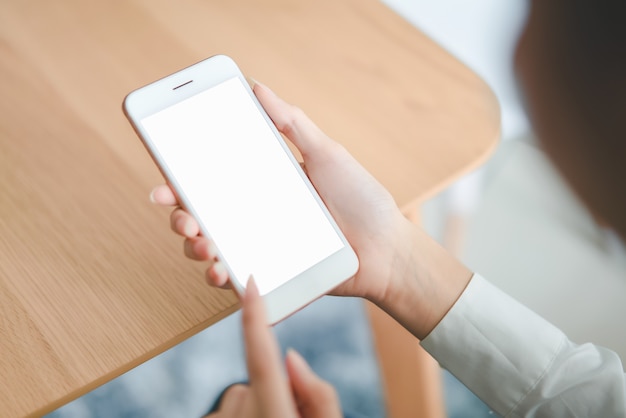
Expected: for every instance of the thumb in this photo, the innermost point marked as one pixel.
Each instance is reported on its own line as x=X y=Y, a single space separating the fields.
x=314 y=396
x=291 y=121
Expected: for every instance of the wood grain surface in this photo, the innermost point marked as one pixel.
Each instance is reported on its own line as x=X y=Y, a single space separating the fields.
x=92 y=282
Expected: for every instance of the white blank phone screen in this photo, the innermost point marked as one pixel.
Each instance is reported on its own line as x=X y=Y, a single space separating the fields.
x=241 y=185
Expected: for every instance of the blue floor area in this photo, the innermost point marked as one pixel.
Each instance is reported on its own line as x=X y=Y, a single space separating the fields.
x=332 y=334
x=461 y=403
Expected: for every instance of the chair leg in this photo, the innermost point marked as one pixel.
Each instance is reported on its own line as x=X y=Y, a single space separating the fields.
x=411 y=378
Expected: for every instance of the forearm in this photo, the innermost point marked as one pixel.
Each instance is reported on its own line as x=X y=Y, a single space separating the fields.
x=425 y=283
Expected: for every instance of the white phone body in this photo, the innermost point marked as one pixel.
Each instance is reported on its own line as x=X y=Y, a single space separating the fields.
x=231 y=170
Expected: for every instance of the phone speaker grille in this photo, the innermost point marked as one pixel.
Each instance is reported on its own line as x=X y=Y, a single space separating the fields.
x=184 y=84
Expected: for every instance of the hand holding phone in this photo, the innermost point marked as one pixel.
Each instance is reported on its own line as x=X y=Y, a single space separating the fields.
x=363 y=209
x=232 y=171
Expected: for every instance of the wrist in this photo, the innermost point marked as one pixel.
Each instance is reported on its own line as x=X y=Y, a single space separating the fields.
x=424 y=282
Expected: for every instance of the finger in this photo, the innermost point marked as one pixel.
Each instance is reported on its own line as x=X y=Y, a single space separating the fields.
x=199 y=248
x=291 y=121
x=233 y=400
x=163 y=195
x=263 y=357
x=217 y=276
x=314 y=396
x=183 y=223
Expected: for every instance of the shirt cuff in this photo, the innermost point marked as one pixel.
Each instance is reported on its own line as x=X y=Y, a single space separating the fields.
x=494 y=345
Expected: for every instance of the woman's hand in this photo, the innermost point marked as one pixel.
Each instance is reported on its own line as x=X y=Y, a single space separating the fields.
x=362 y=207
x=401 y=269
x=269 y=393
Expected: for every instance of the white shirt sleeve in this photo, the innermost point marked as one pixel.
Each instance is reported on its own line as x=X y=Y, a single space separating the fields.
x=520 y=364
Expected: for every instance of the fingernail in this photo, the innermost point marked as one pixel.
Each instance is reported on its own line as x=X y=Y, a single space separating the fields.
x=297 y=360
x=219 y=269
x=188 y=229
x=252 y=82
x=251 y=289
x=152 y=199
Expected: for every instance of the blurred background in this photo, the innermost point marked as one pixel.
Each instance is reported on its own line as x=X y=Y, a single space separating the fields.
x=537 y=243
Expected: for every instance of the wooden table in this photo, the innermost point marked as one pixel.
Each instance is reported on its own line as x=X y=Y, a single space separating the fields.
x=92 y=282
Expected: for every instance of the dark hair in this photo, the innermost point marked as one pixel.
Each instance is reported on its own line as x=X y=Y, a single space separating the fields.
x=582 y=46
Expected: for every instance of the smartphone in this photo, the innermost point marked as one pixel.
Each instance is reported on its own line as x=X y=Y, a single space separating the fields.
x=232 y=170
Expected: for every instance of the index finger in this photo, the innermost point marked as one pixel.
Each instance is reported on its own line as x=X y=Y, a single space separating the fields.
x=265 y=370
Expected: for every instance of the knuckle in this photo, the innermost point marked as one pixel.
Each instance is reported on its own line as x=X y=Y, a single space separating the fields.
x=238 y=391
x=176 y=215
x=290 y=126
x=199 y=248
